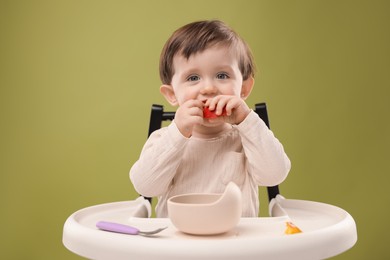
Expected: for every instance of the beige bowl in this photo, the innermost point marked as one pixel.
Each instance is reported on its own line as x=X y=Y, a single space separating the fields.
x=206 y=214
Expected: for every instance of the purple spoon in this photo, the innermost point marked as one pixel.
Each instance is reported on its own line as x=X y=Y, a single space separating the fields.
x=124 y=229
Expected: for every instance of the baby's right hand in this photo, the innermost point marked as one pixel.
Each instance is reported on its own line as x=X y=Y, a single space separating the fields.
x=189 y=114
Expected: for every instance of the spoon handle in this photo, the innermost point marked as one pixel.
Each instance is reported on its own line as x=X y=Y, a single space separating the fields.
x=117 y=228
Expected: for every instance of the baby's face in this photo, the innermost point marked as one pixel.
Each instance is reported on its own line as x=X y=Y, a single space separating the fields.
x=206 y=74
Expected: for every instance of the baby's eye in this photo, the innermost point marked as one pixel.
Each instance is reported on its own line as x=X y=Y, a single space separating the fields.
x=222 y=75
x=193 y=78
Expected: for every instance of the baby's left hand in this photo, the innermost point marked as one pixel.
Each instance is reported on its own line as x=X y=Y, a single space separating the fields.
x=236 y=108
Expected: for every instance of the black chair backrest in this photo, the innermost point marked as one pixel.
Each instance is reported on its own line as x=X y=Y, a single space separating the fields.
x=158 y=115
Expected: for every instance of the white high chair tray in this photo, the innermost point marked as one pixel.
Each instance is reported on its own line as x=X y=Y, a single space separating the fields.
x=327 y=231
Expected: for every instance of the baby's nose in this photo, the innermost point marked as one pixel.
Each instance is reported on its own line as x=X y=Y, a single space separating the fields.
x=208 y=89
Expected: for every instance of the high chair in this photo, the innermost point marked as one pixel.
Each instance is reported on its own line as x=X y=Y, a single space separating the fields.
x=295 y=230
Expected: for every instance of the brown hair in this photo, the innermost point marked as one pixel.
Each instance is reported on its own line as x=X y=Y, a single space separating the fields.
x=198 y=36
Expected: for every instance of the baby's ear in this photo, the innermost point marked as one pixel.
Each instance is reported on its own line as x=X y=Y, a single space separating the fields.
x=169 y=94
x=247 y=86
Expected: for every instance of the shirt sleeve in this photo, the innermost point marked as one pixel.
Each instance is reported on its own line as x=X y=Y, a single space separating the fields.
x=152 y=174
x=267 y=161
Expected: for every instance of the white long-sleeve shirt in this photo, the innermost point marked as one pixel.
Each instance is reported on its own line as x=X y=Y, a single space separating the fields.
x=248 y=154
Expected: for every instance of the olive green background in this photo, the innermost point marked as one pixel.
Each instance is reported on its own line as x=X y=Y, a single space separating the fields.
x=78 y=78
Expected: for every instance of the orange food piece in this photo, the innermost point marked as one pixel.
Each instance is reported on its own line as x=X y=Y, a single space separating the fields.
x=292 y=229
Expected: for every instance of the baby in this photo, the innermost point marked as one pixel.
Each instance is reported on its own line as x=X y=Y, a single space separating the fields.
x=206 y=64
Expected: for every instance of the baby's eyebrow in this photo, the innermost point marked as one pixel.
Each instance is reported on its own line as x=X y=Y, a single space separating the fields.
x=225 y=67
x=191 y=71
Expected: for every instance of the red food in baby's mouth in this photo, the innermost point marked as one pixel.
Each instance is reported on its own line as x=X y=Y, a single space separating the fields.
x=207 y=113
